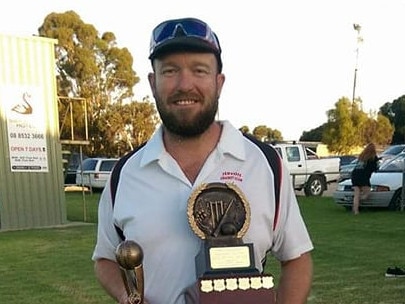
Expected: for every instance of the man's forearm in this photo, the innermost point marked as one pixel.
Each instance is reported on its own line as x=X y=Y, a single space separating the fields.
x=295 y=281
x=109 y=275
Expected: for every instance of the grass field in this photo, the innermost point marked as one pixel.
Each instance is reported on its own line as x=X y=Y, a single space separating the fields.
x=351 y=255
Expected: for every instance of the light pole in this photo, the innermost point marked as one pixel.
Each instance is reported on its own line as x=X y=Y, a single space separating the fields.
x=357 y=28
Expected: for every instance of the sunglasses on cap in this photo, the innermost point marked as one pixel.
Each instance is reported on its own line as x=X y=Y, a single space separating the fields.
x=166 y=32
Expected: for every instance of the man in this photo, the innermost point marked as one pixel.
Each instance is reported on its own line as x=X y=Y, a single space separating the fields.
x=189 y=149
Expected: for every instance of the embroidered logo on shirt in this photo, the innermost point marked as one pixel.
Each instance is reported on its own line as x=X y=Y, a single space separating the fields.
x=231 y=175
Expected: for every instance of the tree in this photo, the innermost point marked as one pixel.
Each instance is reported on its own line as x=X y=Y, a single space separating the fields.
x=244 y=129
x=263 y=133
x=260 y=132
x=93 y=68
x=314 y=134
x=130 y=125
x=378 y=131
x=339 y=134
x=359 y=119
x=395 y=112
x=348 y=127
x=274 y=135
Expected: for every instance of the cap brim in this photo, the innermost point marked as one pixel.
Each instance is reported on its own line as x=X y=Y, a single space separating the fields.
x=179 y=44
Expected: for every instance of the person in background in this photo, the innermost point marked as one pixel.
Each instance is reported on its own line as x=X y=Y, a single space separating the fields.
x=367 y=163
x=189 y=149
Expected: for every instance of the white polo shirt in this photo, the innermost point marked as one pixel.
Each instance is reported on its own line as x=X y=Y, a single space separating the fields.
x=151 y=208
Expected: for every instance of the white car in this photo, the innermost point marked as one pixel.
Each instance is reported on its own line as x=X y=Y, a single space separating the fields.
x=391 y=152
x=387 y=154
x=386 y=187
x=96 y=172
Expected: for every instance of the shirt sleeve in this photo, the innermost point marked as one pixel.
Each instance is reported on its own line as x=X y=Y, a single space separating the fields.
x=107 y=237
x=291 y=236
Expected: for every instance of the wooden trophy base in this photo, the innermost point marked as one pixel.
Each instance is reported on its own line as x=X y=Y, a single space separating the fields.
x=238 y=289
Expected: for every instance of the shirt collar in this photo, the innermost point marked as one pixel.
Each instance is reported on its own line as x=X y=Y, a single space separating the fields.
x=230 y=143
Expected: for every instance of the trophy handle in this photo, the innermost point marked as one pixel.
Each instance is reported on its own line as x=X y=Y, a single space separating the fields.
x=129 y=256
x=139 y=280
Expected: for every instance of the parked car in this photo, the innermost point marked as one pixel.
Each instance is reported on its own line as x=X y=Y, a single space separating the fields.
x=386 y=187
x=391 y=151
x=95 y=172
x=387 y=154
x=346 y=159
x=309 y=172
x=345 y=171
x=73 y=162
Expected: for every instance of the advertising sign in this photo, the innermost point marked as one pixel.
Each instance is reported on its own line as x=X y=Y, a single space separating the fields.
x=26 y=128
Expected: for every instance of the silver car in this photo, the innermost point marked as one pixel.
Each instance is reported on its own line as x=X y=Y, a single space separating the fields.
x=345 y=171
x=386 y=187
x=96 y=172
x=387 y=154
x=392 y=151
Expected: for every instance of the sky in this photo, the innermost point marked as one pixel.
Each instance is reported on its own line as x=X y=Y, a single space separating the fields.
x=286 y=62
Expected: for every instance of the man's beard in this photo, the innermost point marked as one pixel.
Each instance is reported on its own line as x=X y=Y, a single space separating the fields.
x=188 y=129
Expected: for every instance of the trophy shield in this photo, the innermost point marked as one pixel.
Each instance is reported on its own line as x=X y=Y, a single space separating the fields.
x=219 y=214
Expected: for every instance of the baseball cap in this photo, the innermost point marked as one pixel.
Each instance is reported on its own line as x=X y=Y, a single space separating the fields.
x=186 y=34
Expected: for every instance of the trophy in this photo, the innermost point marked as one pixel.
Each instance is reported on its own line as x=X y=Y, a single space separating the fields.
x=219 y=214
x=129 y=256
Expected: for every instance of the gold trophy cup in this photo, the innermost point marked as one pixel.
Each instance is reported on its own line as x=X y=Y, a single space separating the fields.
x=129 y=256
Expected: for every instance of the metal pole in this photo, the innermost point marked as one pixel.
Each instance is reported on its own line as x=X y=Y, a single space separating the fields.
x=83 y=192
x=357 y=28
x=354 y=82
x=403 y=189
